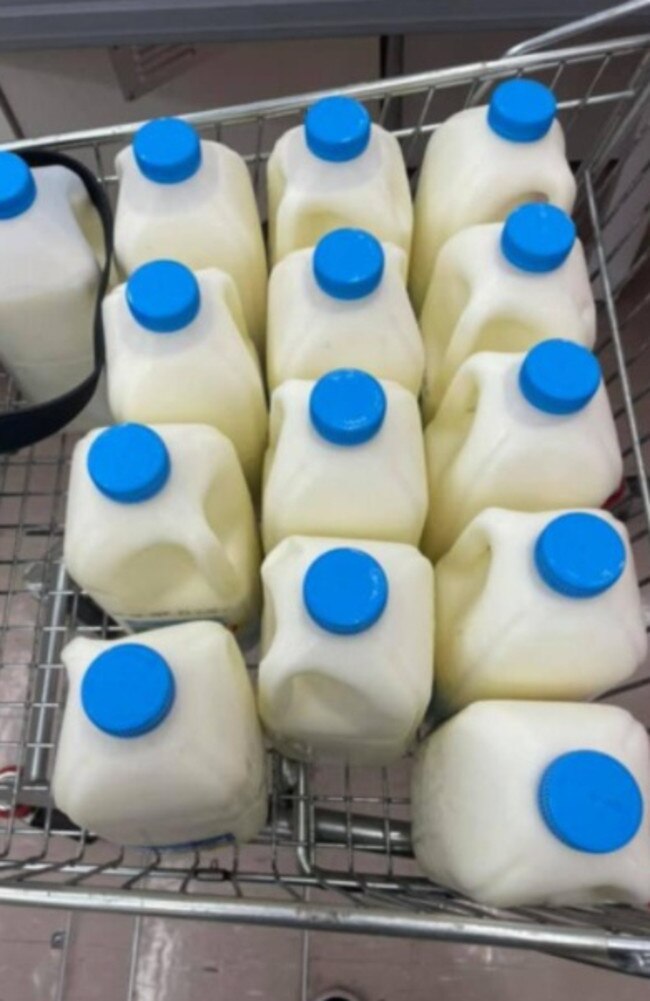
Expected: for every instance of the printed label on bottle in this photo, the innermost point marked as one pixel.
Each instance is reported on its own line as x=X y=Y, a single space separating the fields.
x=184 y=846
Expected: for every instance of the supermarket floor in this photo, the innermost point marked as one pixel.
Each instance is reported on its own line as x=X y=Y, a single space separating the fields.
x=53 y=956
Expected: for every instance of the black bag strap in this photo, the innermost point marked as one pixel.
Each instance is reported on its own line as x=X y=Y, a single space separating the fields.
x=26 y=426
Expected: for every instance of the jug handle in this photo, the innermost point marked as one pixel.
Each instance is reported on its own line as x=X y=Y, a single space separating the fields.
x=24 y=427
x=211 y=558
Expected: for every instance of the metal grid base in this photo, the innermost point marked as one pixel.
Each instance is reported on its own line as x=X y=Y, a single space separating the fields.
x=339 y=835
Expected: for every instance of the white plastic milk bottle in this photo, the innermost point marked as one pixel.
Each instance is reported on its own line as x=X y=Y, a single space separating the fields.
x=177 y=352
x=530 y=432
x=338 y=169
x=345 y=458
x=343 y=304
x=160 y=743
x=48 y=279
x=191 y=200
x=347 y=648
x=522 y=803
x=505 y=287
x=483 y=162
x=536 y=606
x=160 y=525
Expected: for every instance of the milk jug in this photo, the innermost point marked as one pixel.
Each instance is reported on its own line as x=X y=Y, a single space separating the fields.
x=530 y=432
x=347 y=648
x=483 y=162
x=160 y=743
x=177 y=352
x=345 y=458
x=48 y=279
x=522 y=803
x=337 y=169
x=536 y=606
x=343 y=304
x=505 y=287
x=160 y=525
x=191 y=200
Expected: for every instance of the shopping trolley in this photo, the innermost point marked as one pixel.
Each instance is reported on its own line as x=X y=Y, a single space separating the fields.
x=336 y=852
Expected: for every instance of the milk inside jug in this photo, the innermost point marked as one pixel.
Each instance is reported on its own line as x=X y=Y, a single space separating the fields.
x=345 y=458
x=347 y=648
x=505 y=287
x=522 y=803
x=177 y=352
x=337 y=169
x=160 y=743
x=530 y=432
x=48 y=279
x=343 y=304
x=536 y=606
x=160 y=525
x=483 y=162
x=191 y=200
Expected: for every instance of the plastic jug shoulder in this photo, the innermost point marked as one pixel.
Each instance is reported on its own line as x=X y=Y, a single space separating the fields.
x=345 y=458
x=482 y=163
x=522 y=803
x=337 y=169
x=160 y=525
x=347 y=648
x=343 y=304
x=178 y=352
x=191 y=200
x=175 y=712
x=529 y=432
x=542 y=606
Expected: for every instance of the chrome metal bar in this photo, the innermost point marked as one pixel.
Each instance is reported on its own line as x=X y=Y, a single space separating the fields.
x=592 y=22
x=402 y=86
x=41 y=722
x=365 y=833
x=618 y=348
x=329 y=918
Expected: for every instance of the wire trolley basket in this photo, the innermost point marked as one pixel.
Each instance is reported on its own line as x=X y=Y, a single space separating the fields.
x=336 y=852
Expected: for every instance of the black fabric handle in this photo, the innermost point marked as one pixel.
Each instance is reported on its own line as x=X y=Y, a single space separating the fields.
x=20 y=428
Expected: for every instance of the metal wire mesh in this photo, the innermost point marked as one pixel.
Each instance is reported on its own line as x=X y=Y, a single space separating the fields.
x=342 y=833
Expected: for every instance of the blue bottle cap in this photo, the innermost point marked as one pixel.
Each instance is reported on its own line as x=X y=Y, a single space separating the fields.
x=163 y=296
x=521 y=111
x=167 y=150
x=129 y=463
x=537 y=238
x=345 y=591
x=579 y=555
x=347 y=406
x=128 y=690
x=337 y=129
x=559 y=377
x=348 y=263
x=590 y=801
x=17 y=186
